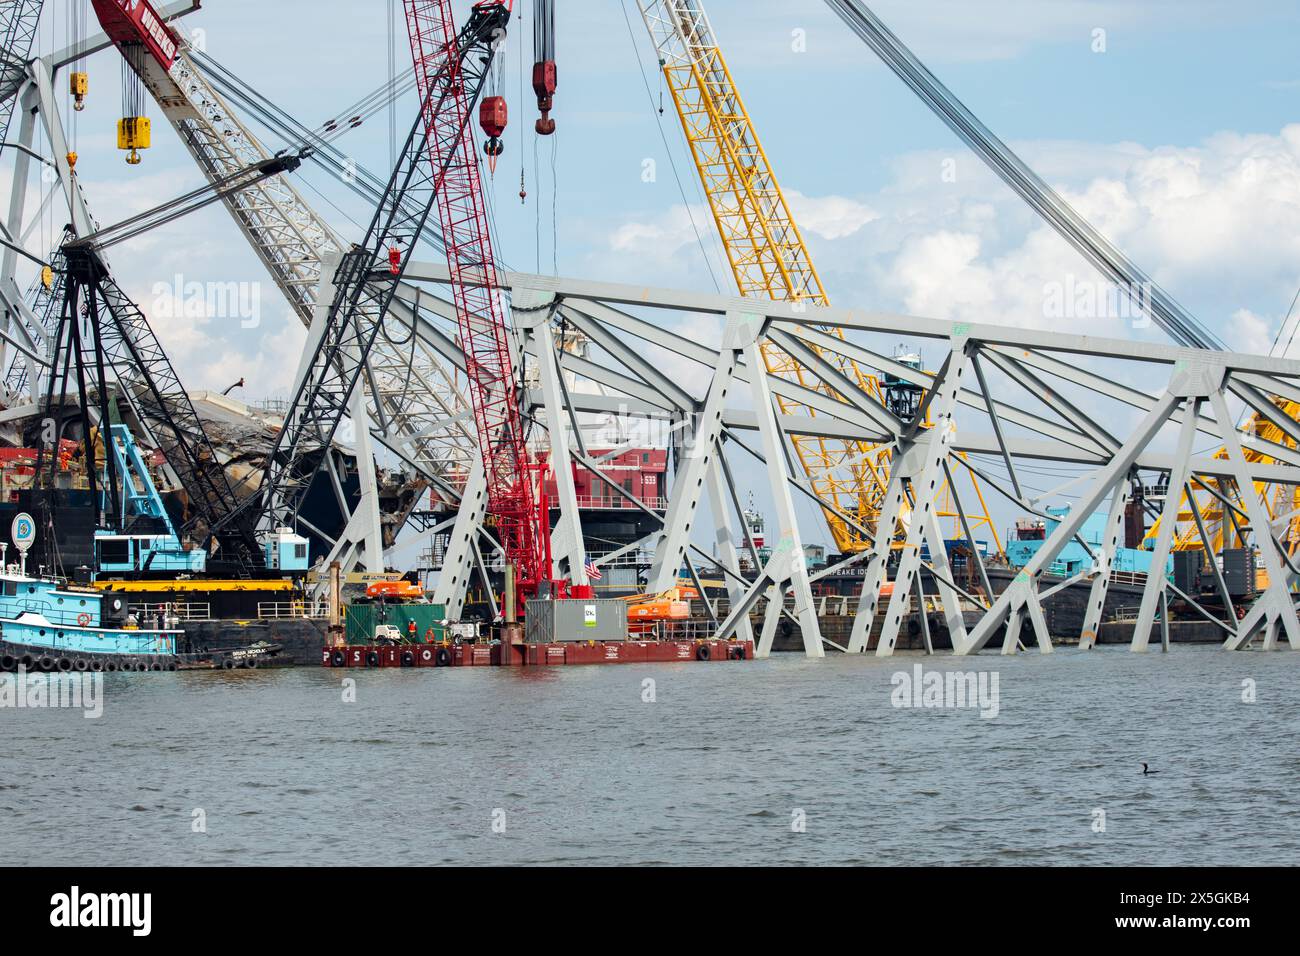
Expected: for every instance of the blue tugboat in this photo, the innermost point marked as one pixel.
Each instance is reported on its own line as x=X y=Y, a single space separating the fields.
x=49 y=624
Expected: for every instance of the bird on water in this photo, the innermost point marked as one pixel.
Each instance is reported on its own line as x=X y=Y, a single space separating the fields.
x=1147 y=772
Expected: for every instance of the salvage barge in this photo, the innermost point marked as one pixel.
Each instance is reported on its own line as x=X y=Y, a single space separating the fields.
x=535 y=655
x=586 y=630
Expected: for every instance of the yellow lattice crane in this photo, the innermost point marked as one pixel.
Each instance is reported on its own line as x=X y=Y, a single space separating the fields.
x=767 y=256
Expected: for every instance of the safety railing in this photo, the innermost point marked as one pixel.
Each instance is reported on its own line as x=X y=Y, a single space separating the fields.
x=61 y=616
x=692 y=630
x=183 y=610
x=291 y=610
x=619 y=503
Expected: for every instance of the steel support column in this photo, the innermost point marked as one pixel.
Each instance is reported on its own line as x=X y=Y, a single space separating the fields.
x=924 y=526
x=532 y=318
x=688 y=483
x=1105 y=563
x=788 y=564
x=458 y=562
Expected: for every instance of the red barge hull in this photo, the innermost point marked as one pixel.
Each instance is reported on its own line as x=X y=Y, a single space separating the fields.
x=536 y=655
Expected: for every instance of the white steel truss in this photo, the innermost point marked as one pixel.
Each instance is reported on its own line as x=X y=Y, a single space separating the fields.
x=1019 y=398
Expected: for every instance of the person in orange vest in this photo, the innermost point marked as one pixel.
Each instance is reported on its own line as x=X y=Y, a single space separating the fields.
x=411 y=631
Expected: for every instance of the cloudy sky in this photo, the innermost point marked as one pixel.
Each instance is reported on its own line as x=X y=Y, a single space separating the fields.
x=1180 y=140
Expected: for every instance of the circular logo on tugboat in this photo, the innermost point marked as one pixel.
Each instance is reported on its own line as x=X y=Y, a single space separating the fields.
x=23 y=531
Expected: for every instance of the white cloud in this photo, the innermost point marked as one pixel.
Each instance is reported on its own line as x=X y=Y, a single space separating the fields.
x=1216 y=225
x=661 y=235
x=831 y=217
x=211 y=350
x=1251 y=332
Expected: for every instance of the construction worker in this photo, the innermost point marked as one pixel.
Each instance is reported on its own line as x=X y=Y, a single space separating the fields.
x=411 y=631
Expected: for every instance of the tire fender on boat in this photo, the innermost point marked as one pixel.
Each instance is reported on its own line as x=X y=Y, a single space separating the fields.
x=703 y=652
x=443 y=657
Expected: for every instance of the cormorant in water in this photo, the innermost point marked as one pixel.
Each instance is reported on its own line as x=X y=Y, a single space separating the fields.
x=1146 y=772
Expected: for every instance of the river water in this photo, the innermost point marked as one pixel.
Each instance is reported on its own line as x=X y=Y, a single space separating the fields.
x=767 y=762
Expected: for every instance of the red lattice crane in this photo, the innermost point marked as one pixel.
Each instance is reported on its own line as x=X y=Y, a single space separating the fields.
x=521 y=520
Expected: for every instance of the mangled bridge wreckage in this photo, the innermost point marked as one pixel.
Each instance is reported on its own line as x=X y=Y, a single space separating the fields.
x=700 y=370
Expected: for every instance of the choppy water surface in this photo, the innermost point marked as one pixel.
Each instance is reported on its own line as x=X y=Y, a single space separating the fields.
x=583 y=770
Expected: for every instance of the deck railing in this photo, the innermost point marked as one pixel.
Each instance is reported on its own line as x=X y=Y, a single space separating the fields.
x=291 y=610
x=184 y=610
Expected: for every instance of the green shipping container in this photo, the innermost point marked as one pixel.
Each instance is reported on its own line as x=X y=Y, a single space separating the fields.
x=362 y=619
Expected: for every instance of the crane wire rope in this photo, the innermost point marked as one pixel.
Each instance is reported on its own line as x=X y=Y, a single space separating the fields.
x=672 y=162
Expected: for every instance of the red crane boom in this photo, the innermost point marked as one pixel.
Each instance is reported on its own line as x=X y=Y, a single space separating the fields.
x=520 y=521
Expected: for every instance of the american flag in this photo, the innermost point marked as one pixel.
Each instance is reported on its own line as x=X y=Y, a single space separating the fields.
x=593 y=572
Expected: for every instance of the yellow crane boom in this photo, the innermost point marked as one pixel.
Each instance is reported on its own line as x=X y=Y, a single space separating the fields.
x=766 y=253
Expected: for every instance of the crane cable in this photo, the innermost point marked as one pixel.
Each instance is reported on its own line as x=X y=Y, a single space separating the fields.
x=544 y=52
x=291 y=132
x=392 y=81
x=1285 y=322
x=523 y=189
x=672 y=162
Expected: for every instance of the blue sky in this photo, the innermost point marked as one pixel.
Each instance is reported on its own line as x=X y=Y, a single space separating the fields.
x=1178 y=141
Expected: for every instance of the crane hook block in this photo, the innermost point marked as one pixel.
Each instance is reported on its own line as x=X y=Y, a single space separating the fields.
x=493 y=115
x=79 y=86
x=544 y=77
x=133 y=134
x=395 y=260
